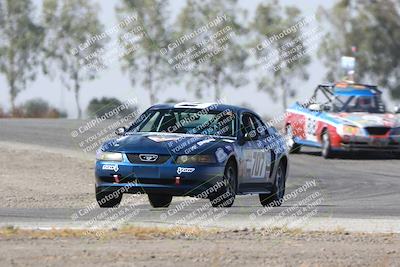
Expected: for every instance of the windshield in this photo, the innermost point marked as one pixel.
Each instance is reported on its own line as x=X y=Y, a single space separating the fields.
x=196 y=121
x=370 y=104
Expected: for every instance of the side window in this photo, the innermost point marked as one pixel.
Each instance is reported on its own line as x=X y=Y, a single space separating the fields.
x=247 y=125
x=260 y=127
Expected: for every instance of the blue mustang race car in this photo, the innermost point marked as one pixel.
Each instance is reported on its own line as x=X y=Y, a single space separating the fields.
x=207 y=150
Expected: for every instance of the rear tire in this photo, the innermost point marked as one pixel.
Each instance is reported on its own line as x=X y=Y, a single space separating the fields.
x=159 y=201
x=108 y=199
x=275 y=198
x=292 y=146
x=226 y=195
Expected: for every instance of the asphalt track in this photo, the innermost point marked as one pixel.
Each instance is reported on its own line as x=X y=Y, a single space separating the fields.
x=347 y=190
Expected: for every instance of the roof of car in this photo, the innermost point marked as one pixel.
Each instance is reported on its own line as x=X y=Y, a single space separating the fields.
x=355 y=89
x=355 y=93
x=198 y=105
x=347 y=88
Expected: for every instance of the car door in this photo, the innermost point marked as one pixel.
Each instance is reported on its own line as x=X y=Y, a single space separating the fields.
x=256 y=157
x=313 y=117
x=268 y=143
x=310 y=126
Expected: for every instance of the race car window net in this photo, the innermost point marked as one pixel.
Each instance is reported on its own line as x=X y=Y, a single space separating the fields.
x=188 y=121
x=247 y=125
x=260 y=127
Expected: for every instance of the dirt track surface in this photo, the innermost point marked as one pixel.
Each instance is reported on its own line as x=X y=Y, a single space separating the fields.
x=233 y=248
x=33 y=179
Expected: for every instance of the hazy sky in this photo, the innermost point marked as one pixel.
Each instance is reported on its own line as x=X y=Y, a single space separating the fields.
x=112 y=82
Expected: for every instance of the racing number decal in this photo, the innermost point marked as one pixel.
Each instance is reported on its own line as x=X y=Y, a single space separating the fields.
x=311 y=129
x=311 y=126
x=259 y=164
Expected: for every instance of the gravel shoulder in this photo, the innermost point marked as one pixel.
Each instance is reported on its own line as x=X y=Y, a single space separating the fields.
x=138 y=247
x=33 y=177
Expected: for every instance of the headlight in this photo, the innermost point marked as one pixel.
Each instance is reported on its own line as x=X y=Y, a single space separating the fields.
x=189 y=159
x=349 y=130
x=109 y=156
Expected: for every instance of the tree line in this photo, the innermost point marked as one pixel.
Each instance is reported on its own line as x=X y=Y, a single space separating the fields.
x=48 y=43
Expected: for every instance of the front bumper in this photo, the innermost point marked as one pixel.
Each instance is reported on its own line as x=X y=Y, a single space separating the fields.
x=370 y=144
x=157 y=178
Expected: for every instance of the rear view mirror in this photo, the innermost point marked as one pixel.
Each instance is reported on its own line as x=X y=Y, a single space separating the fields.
x=120 y=131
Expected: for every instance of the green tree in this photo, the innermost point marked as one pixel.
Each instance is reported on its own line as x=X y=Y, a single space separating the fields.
x=73 y=43
x=19 y=47
x=220 y=58
x=36 y=108
x=99 y=106
x=372 y=27
x=151 y=30
x=39 y=108
x=284 y=50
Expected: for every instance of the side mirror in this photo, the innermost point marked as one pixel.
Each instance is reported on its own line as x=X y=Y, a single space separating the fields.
x=315 y=107
x=120 y=131
x=249 y=136
x=396 y=110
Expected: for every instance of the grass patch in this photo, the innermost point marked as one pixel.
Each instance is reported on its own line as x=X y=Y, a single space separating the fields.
x=125 y=231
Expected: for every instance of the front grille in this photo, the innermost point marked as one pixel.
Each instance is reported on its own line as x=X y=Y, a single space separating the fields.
x=377 y=130
x=134 y=158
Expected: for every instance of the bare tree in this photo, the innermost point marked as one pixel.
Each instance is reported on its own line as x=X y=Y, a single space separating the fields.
x=73 y=42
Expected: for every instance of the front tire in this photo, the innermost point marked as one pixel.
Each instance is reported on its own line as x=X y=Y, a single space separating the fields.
x=326 y=145
x=226 y=195
x=159 y=201
x=292 y=146
x=108 y=199
x=275 y=198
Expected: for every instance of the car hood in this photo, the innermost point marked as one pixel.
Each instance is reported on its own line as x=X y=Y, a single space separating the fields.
x=368 y=120
x=167 y=143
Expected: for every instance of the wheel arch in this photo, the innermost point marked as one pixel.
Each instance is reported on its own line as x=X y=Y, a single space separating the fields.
x=324 y=129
